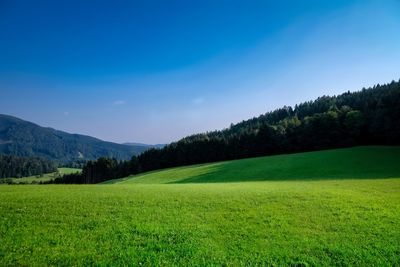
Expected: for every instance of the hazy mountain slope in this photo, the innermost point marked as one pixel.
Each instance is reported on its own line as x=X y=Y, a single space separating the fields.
x=23 y=138
x=145 y=145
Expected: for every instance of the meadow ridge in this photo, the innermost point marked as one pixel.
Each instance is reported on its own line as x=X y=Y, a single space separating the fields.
x=346 y=163
x=299 y=222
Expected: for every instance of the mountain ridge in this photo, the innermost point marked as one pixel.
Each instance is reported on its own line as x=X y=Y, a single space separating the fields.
x=24 y=138
x=144 y=145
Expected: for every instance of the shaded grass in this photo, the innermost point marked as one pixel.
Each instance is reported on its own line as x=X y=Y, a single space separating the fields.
x=348 y=163
x=316 y=223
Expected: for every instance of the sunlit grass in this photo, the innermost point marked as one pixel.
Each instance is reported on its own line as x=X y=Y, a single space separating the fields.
x=328 y=208
x=335 y=222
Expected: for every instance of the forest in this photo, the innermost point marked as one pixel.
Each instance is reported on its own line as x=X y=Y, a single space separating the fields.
x=366 y=117
x=13 y=166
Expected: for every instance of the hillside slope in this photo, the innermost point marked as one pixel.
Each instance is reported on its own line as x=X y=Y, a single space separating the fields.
x=23 y=138
x=347 y=163
x=366 y=117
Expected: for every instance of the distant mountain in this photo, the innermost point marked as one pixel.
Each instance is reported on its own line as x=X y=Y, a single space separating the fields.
x=145 y=145
x=23 y=138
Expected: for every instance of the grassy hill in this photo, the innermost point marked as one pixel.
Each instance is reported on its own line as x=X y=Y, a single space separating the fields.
x=308 y=209
x=347 y=163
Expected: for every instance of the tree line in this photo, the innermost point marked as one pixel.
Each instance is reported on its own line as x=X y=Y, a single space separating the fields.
x=367 y=117
x=17 y=167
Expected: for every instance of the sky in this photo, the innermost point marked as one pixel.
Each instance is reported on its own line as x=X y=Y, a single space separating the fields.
x=156 y=71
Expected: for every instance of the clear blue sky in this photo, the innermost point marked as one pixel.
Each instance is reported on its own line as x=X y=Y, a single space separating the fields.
x=155 y=71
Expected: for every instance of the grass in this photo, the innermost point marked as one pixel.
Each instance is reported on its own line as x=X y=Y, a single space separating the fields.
x=348 y=163
x=69 y=170
x=289 y=222
x=347 y=222
x=45 y=177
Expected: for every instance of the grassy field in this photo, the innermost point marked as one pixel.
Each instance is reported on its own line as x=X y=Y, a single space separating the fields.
x=348 y=163
x=45 y=177
x=286 y=220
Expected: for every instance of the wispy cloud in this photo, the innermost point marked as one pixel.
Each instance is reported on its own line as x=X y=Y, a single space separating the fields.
x=119 y=102
x=66 y=113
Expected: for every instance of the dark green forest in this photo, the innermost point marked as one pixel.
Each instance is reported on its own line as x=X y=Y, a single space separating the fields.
x=13 y=166
x=366 y=117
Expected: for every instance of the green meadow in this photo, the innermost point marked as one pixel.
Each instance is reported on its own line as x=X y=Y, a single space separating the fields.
x=349 y=163
x=327 y=208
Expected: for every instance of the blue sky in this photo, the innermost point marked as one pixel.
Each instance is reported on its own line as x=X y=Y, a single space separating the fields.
x=156 y=71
